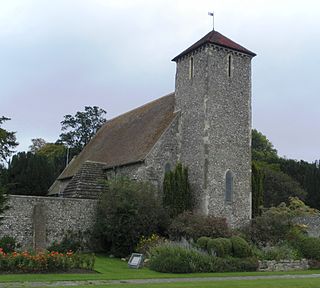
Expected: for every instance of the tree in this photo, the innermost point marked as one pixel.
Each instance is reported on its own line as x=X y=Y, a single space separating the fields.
x=262 y=148
x=257 y=189
x=81 y=127
x=37 y=144
x=7 y=141
x=127 y=210
x=29 y=174
x=279 y=187
x=177 y=196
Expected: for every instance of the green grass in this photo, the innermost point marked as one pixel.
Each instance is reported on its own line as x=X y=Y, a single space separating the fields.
x=115 y=269
x=272 y=283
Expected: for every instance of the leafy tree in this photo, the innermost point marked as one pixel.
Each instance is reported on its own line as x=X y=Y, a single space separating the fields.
x=80 y=128
x=7 y=141
x=55 y=155
x=127 y=210
x=177 y=196
x=37 y=144
x=262 y=148
x=278 y=187
x=29 y=174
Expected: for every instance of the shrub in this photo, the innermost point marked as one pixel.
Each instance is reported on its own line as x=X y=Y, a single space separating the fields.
x=8 y=244
x=240 y=247
x=215 y=247
x=309 y=247
x=202 y=242
x=279 y=252
x=177 y=196
x=127 y=210
x=227 y=246
x=192 y=226
x=71 y=241
x=145 y=244
x=172 y=258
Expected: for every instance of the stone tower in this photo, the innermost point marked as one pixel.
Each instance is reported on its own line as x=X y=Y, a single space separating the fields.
x=213 y=95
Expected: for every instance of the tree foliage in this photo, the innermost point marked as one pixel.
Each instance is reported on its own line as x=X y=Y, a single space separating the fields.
x=29 y=174
x=37 y=144
x=177 y=196
x=127 y=210
x=257 y=189
x=262 y=148
x=7 y=141
x=78 y=129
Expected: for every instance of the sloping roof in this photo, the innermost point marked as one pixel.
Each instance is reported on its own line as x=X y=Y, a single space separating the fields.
x=216 y=38
x=127 y=138
x=87 y=182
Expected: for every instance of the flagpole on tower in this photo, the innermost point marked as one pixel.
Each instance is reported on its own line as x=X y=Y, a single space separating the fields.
x=212 y=14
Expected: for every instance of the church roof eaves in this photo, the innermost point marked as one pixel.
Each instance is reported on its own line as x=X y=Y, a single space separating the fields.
x=127 y=138
x=214 y=37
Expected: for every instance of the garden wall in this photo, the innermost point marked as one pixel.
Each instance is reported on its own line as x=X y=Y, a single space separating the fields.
x=283 y=265
x=312 y=224
x=36 y=222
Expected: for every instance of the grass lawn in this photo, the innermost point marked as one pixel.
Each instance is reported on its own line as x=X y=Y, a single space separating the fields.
x=115 y=269
x=272 y=283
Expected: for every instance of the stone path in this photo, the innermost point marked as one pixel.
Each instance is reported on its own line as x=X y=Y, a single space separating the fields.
x=146 y=281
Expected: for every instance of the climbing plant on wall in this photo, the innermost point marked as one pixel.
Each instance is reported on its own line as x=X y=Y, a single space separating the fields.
x=177 y=196
x=257 y=189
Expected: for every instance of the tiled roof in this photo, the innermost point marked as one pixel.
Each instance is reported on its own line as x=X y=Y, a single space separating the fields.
x=216 y=38
x=127 y=138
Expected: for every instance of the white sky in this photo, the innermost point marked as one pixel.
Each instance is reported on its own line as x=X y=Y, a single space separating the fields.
x=58 y=56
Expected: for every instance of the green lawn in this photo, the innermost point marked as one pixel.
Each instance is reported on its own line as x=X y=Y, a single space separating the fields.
x=272 y=283
x=115 y=269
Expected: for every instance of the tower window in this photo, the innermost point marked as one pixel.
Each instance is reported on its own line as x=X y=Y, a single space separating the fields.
x=191 y=68
x=229 y=186
x=229 y=65
x=167 y=168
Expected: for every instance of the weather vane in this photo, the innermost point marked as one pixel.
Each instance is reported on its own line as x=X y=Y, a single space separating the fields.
x=211 y=14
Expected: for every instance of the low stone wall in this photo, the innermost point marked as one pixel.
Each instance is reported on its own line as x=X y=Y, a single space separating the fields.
x=283 y=265
x=312 y=224
x=38 y=221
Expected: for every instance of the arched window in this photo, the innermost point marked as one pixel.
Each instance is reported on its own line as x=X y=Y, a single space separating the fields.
x=229 y=186
x=191 y=68
x=167 y=167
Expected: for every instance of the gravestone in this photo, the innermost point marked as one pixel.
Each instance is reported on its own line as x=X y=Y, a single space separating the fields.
x=39 y=220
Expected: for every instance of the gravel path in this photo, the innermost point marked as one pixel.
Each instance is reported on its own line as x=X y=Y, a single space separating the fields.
x=146 y=281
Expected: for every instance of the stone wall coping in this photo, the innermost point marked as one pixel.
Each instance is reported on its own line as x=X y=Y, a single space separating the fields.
x=50 y=198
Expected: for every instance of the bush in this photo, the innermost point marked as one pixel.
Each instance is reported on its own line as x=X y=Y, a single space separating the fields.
x=227 y=246
x=202 y=242
x=173 y=258
x=127 y=210
x=309 y=247
x=279 y=252
x=145 y=244
x=240 y=247
x=8 y=244
x=192 y=226
x=215 y=247
x=71 y=241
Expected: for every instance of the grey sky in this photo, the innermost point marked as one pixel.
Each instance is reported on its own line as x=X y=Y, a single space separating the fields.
x=58 y=56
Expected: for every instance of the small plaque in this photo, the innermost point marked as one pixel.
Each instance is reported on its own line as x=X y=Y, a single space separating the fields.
x=135 y=261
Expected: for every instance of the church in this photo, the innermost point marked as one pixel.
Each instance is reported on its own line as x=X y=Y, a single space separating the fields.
x=205 y=124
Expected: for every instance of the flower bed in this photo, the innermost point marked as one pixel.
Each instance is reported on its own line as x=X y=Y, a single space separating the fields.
x=44 y=261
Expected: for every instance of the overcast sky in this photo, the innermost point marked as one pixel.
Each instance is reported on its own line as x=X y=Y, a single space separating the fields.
x=58 y=56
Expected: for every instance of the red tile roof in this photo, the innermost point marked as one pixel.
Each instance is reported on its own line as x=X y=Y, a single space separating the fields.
x=216 y=38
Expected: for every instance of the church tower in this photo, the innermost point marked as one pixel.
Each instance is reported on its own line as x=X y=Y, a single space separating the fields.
x=213 y=97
